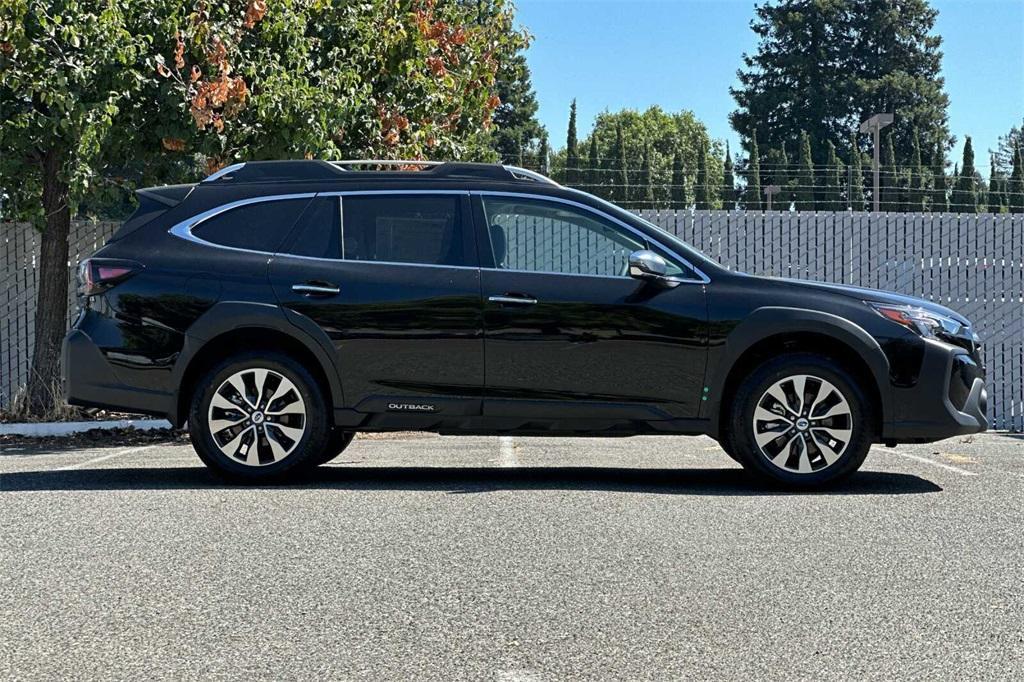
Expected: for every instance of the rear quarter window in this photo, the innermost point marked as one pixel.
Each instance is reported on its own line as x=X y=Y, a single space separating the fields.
x=258 y=226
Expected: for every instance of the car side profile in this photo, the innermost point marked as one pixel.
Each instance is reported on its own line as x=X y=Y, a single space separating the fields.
x=279 y=307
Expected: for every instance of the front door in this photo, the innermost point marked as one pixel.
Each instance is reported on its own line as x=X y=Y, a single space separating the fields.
x=568 y=334
x=392 y=280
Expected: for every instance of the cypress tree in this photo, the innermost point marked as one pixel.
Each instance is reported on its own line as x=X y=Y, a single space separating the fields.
x=833 y=185
x=543 y=152
x=918 y=189
x=752 y=193
x=994 y=201
x=646 y=180
x=593 y=167
x=965 y=187
x=939 y=202
x=620 y=174
x=1015 y=191
x=805 y=175
x=778 y=167
x=855 y=187
x=701 y=191
x=728 y=182
x=572 y=157
x=889 y=181
x=678 y=189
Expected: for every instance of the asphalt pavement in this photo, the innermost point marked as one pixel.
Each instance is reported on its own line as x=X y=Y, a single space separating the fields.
x=427 y=557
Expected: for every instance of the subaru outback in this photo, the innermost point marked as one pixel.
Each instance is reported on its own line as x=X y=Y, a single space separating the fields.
x=279 y=307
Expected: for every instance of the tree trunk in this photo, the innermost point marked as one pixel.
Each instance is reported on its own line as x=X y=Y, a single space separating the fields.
x=43 y=393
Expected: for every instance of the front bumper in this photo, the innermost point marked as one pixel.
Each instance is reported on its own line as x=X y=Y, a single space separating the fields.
x=90 y=381
x=949 y=398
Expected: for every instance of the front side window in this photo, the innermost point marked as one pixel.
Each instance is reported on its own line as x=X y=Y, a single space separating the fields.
x=258 y=226
x=424 y=230
x=543 y=236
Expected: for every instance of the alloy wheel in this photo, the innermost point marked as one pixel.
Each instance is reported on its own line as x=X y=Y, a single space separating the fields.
x=257 y=416
x=802 y=424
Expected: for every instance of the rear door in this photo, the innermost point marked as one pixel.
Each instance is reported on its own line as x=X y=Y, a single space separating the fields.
x=392 y=279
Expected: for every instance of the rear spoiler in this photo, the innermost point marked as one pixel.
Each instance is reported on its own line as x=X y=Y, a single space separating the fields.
x=153 y=202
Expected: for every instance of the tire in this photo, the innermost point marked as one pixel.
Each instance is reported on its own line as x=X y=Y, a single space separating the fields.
x=286 y=437
x=336 y=444
x=807 y=451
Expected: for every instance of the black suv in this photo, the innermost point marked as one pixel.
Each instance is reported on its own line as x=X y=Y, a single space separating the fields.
x=279 y=307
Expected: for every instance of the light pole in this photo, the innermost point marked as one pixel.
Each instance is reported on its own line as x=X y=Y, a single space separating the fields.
x=874 y=126
x=770 y=191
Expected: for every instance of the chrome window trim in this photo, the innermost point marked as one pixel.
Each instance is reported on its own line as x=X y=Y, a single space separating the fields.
x=183 y=230
x=703 y=278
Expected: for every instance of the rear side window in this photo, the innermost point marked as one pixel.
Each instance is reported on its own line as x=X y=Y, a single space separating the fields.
x=259 y=226
x=403 y=229
x=318 y=232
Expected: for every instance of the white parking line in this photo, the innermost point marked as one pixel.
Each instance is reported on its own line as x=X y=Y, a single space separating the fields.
x=507 y=452
x=925 y=460
x=104 y=458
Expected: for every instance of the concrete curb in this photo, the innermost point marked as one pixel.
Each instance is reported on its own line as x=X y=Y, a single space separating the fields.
x=44 y=429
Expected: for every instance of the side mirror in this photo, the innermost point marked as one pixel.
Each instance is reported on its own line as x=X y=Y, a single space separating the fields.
x=650 y=267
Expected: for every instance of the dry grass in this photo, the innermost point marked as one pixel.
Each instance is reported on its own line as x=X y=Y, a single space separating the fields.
x=18 y=409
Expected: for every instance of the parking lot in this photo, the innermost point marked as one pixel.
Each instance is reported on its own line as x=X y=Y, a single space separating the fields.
x=512 y=559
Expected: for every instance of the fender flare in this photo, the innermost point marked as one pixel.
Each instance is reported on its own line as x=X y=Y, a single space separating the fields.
x=768 y=321
x=228 y=316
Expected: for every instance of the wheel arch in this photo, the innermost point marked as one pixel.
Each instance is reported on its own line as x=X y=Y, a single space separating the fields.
x=232 y=326
x=769 y=331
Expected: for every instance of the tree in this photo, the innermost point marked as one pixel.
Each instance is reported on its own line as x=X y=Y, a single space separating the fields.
x=777 y=169
x=965 y=188
x=805 y=175
x=1006 y=147
x=752 y=193
x=832 y=187
x=889 y=190
x=646 y=196
x=619 y=176
x=855 y=186
x=940 y=200
x=516 y=134
x=678 y=189
x=572 y=157
x=918 y=189
x=728 y=182
x=64 y=73
x=702 y=190
x=1015 y=191
x=996 y=198
x=543 y=155
x=593 y=172
x=824 y=65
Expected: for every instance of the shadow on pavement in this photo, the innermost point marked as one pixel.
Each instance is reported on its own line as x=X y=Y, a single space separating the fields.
x=460 y=480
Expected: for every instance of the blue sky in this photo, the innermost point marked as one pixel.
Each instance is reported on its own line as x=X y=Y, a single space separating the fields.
x=683 y=54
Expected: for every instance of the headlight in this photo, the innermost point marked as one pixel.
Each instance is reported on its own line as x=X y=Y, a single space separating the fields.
x=924 y=322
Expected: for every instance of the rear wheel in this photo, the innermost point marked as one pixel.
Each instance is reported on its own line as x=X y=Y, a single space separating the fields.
x=336 y=444
x=800 y=420
x=258 y=417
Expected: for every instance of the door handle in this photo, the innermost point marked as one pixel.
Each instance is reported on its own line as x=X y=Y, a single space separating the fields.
x=512 y=300
x=319 y=289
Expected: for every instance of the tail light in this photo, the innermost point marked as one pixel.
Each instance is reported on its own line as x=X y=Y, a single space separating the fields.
x=96 y=275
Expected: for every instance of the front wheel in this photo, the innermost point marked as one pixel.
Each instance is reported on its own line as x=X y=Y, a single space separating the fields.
x=800 y=420
x=258 y=417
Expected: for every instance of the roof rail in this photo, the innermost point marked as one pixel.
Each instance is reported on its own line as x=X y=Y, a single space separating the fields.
x=524 y=174
x=344 y=164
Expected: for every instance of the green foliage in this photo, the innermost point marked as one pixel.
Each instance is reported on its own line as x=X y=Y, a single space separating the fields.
x=940 y=199
x=777 y=172
x=728 y=182
x=805 y=175
x=702 y=190
x=593 y=172
x=995 y=201
x=889 y=182
x=855 y=184
x=666 y=133
x=822 y=65
x=517 y=132
x=831 y=196
x=572 y=156
x=752 y=192
x=918 y=190
x=965 y=186
x=678 y=196
x=645 y=189
x=66 y=71
x=1015 y=190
